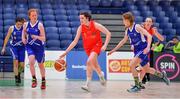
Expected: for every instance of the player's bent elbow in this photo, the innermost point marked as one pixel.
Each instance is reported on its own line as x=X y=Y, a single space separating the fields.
x=109 y=34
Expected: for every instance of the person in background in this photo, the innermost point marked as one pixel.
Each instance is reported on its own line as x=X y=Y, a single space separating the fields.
x=176 y=44
x=148 y=25
x=17 y=48
x=33 y=37
x=157 y=46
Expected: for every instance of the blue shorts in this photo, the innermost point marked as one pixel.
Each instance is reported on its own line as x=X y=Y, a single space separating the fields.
x=37 y=51
x=138 y=52
x=144 y=58
x=18 y=53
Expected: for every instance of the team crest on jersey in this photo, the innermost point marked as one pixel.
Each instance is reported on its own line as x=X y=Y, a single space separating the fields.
x=36 y=30
x=14 y=33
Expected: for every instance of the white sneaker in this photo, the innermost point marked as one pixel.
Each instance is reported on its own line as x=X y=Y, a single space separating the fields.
x=102 y=79
x=86 y=88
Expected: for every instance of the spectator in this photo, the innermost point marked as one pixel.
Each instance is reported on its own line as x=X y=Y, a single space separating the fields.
x=176 y=46
x=157 y=46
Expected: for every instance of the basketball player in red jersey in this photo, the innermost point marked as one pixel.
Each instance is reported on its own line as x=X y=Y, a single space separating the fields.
x=148 y=25
x=92 y=43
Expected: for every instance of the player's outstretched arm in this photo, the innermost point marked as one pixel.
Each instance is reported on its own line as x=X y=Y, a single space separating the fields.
x=121 y=43
x=158 y=35
x=6 y=40
x=73 y=44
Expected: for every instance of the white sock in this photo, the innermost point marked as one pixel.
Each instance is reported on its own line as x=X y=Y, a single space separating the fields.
x=102 y=74
x=88 y=81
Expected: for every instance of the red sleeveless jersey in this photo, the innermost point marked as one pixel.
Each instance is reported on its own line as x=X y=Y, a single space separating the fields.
x=150 y=31
x=91 y=36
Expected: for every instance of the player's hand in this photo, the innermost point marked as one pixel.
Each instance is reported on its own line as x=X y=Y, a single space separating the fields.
x=146 y=50
x=152 y=48
x=170 y=41
x=3 y=51
x=132 y=48
x=103 y=48
x=24 y=41
x=155 y=29
x=110 y=53
x=63 y=55
x=34 y=36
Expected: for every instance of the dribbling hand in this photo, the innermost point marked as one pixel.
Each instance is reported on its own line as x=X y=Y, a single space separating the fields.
x=63 y=55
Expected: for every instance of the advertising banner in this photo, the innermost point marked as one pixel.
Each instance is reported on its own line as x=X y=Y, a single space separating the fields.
x=76 y=65
x=51 y=72
x=169 y=62
x=118 y=66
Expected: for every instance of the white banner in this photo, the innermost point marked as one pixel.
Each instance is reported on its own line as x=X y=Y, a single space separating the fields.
x=51 y=72
x=118 y=66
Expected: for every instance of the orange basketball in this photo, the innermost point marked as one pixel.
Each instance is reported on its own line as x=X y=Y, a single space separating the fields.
x=60 y=65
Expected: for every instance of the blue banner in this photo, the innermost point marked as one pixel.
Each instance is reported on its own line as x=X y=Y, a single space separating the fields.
x=76 y=65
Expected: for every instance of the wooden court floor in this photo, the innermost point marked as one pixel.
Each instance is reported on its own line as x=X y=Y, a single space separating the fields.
x=63 y=89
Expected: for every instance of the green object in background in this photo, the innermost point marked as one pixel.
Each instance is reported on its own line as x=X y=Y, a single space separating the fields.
x=10 y=82
x=176 y=48
x=158 y=48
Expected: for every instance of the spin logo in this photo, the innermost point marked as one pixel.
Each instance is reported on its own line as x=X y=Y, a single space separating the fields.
x=170 y=64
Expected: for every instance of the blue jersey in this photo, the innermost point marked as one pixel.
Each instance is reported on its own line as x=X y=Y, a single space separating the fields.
x=35 y=46
x=17 y=48
x=137 y=39
x=33 y=30
x=139 y=42
x=16 y=35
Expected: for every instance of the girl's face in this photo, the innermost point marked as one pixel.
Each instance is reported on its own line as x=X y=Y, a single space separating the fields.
x=148 y=22
x=83 y=19
x=126 y=23
x=33 y=16
x=19 y=24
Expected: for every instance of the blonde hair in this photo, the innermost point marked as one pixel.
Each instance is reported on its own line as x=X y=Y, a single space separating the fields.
x=32 y=10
